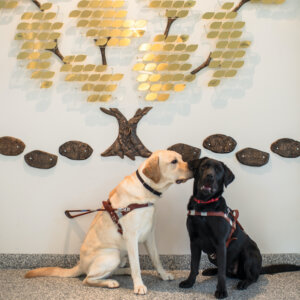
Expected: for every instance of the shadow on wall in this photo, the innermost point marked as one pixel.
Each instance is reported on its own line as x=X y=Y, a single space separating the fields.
x=73 y=227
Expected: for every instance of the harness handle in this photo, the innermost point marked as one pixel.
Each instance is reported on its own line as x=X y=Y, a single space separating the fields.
x=82 y=212
x=115 y=213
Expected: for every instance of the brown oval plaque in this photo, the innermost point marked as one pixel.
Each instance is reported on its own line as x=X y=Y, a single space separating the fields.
x=11 y=146
x=76 y=150
x=252 y=157
x=41 y=160
x=219 y=143
x=286 y=148
x=187 y=152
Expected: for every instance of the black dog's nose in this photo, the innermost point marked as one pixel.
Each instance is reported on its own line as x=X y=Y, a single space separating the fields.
x=210 y=176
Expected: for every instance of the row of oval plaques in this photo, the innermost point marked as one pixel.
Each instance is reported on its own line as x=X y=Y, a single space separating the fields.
x=217 y=143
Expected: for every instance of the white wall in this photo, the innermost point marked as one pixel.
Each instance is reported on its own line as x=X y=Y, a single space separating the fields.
x=257 y=107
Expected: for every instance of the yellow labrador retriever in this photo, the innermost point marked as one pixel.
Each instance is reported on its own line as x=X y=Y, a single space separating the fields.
x=105 y=249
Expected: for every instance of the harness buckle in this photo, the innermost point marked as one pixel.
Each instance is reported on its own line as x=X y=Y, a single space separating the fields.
x=119 y=213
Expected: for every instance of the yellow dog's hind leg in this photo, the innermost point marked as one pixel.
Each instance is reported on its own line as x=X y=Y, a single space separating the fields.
x=103 y=266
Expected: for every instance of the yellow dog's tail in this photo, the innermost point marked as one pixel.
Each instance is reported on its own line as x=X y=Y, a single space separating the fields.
x=54 y=272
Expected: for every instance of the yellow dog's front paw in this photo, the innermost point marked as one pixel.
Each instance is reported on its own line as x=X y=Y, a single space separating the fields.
x=140 y=289
x=166 y=276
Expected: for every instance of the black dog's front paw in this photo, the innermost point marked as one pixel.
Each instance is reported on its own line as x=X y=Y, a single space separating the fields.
x=221 y=294
x=185 y=284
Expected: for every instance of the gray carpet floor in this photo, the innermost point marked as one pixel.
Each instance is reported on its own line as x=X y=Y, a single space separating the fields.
x=13 y=286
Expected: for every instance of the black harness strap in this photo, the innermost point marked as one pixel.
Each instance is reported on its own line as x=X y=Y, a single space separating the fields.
x=234 y=214
x=148 y=187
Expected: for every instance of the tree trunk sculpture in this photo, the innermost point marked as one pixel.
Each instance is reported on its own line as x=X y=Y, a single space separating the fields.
x=127 y=142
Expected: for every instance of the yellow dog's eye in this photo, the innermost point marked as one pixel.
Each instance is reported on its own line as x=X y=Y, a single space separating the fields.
x=175 y=161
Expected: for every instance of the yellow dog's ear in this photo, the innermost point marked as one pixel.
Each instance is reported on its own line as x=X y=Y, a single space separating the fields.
x=151 y=169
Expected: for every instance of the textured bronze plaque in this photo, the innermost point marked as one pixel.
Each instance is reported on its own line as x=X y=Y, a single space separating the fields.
x=11 y=146
x=41 y=160
x=76 y=150
x=286 y=148
x=187 y=152
x=252 y=157
x=219 y=143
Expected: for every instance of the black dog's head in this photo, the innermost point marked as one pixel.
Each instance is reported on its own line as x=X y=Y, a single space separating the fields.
x=210 y=177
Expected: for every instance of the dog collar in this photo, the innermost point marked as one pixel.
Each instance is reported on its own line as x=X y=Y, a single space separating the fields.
x=206 y=202
x=148 y=187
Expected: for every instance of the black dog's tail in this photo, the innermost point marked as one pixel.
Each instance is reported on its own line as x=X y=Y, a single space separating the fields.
x=273 y=269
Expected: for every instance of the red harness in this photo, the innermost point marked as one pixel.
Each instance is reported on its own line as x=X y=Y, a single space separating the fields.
x=233 y=213
x=115 y=213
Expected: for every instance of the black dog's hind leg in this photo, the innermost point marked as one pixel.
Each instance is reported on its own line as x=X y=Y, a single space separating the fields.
x=195 y=261
x=251 y=267
x=221 y=291
x=251 y=277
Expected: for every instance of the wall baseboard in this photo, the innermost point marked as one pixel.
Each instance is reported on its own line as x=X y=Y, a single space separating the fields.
x=170 y=262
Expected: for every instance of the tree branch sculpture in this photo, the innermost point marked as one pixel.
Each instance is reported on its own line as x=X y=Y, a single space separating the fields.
x=168 y=26
x=240 y=5
x=127 y=142
x=56 y=51
x=37 y=3
x=204 y=65
x=102 y=50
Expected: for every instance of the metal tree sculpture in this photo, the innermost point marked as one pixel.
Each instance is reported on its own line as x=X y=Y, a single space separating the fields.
x=127 y=142
x=39 y=36
x=164 y=67
x=106 y=23
x=228 y=56
x=161 y=69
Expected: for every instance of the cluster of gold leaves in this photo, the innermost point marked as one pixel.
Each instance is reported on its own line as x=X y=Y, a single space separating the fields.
x=230 y=50
x=174 y=9
x=106 y=22
x=8 y=4
x=164 y=68
x=227 y=59
x=94 y=77
x=38 y=33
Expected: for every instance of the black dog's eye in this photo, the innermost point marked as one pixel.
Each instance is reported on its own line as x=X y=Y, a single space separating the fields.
x=218 y=168
x=175 y=161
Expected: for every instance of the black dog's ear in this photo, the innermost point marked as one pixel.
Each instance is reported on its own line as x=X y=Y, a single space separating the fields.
x=228 y=176
x=194 y=164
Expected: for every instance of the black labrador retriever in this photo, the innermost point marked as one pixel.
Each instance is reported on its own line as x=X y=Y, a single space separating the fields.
x=213 y=228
